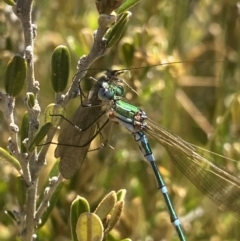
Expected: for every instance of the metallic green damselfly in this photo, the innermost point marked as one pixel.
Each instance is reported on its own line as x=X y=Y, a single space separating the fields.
x=221 y=186
x=218 y=184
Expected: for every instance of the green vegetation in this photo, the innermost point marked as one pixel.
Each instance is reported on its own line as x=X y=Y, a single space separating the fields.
x=197 y=98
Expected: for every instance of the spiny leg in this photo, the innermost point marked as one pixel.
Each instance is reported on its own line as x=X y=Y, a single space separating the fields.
x=77 y=127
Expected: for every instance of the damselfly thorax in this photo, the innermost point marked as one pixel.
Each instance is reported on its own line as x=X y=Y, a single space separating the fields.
x=189 y=159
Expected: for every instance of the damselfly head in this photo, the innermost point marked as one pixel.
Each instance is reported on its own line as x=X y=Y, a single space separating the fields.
x=110 y=92
x=111 y=78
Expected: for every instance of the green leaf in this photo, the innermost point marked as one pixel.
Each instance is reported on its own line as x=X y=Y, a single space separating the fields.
x=5 y=156
x=11 y=215
x=60 y=68
x=115 y=215
x=20 y=190
x=106 y=205
x=107 y=6
x=79 y=205
x=128 y=50
x=89 y=227
x=121 y=194
x=10 y=2
x=115 y=32
x=30 y=100
x=15 y=75
x=53 y=113
x=235 y=112
x=54 y=172
x=126 y=5
x=40 y=135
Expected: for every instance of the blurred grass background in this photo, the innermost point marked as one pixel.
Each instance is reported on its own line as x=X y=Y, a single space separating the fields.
x=205 y=34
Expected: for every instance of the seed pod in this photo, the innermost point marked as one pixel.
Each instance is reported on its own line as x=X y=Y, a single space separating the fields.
x=60 y=68
x=15 y=75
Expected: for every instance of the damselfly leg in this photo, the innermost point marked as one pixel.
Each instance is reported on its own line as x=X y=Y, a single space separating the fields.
x=73 y=145
x=218 y=184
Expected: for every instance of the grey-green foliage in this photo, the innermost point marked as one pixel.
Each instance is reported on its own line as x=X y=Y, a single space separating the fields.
x=36 y=196
x=164 y=31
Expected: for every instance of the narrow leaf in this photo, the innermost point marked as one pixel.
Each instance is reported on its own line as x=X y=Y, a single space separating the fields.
x=11 y=215
x=10 y=2
x=53 y=173
x=20 y=190
x=115 y=215
x=52 y=204
x=121 y=194
x=40 y=135
x=115 y=32
x=53 y=113
x=5 y=156
x=126 y=5
x=106 y=205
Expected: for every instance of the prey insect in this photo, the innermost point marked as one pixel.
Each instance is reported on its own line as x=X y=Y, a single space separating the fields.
x=81 y=130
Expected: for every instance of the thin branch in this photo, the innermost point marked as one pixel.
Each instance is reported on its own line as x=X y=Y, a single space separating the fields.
x=53 y=184
x=24 y=11
x=7 y=105
x=30 y=212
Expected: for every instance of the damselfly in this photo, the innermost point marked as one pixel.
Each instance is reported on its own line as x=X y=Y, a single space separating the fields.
x=80 y=131
x=221 y=186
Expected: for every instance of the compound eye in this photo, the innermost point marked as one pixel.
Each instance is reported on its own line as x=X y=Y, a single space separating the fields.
x=119 y=91
x=105 y=94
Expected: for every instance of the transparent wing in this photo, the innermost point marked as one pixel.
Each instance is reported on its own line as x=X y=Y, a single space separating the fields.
x=218 y=184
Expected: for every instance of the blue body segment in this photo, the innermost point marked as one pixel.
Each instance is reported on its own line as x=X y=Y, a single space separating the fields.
x=216 y=182
x=144 y=146
x=133 y=119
